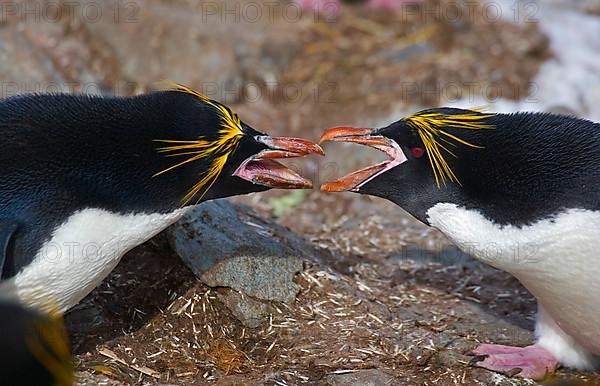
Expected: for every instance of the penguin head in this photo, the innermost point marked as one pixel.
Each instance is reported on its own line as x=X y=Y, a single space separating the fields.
x=429 y=154
x=212 y=154
x=34 y=348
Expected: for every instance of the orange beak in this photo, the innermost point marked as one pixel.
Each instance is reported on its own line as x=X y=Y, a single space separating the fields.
x=367 y=137
x=264 y=170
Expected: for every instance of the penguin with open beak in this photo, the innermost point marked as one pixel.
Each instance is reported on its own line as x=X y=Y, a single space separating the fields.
x=84 y=179
x=518 y=191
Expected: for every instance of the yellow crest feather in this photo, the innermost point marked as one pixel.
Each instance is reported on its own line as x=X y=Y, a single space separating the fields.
x=49 y=344
x=217 y=150
x=430 y=127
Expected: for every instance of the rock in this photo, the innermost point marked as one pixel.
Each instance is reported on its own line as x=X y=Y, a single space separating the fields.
x=495 y=328
x=593 y=7
x=362 y=378
x=249 y=311
x=217 y=230
x=263 y=277
x=227 y=245
x=404 y=54
x=85 y=318
x=93 y=46
x=217 y=50
x=96 y=379
x=233 y=380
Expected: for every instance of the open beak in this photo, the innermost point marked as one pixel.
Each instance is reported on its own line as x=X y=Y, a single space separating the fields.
x=368 y=137
x=264 y=170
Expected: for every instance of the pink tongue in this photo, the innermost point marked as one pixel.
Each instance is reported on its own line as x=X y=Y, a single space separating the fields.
x=274 y=174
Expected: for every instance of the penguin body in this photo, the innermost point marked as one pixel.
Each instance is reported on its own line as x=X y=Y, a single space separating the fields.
x=555 y=259
x=57 y=149
x=87 y=245
x=517 y=191
x=85 y=179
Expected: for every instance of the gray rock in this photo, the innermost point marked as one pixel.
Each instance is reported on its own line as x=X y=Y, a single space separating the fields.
x=263 y=277
x=406 y=53
x=88 y=378
x=216 y=51
x=217 y=230
x=227 y=245
x=250 y=312
x=85 y=318
x=495 y=328
x=592 y=7
x=372 y=377
x=95 y=46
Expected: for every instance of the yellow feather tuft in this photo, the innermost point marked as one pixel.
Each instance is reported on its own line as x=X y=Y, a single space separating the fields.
x=217 y=150
x=430 y=127
x=50 y=345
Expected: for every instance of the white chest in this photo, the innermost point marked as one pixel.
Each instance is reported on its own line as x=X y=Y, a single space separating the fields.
x=557 y=260
x=80 y=254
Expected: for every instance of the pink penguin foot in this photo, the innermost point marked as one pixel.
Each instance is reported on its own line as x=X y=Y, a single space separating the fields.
x=526 y=362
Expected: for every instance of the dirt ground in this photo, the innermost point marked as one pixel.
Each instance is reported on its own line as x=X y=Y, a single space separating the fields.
x=413 y=316
x=394 y=304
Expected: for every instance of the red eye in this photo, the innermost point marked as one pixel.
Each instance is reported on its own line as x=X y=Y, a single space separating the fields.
x=417 y=152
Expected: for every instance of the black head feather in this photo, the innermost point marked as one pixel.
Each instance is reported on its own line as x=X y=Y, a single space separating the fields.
x=515 y=168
